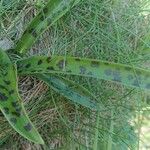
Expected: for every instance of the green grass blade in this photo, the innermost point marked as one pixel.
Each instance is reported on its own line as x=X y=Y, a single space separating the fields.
x=53 y=10
x=111 y=130
x=95 y=145
x=119 y=73
x=70 y=90
x=11 y=104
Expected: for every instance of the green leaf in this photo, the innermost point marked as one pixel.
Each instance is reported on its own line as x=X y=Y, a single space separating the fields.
x=95 y=145
x=53 y=10
x=70 y=90
x=119 y=73
x=11 y=104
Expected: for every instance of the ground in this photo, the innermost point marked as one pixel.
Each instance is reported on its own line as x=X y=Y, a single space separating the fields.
x=111 y=30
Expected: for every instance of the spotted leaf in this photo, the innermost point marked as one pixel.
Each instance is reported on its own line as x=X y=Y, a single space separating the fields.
x=119 y=73
x=52 y=11
x=11 y=104
x=70 y=90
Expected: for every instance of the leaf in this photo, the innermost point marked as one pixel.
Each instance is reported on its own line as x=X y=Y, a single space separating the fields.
x=11 y=104
x=53 y=11
x=119 y=73
x=70 y=90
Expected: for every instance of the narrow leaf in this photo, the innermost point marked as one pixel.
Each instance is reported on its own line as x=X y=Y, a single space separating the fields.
x=119 y=73
x=11 y=104
x=96 y=139
x=70 y=90
x=53 y=10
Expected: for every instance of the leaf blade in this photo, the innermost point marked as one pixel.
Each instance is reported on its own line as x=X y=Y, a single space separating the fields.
x=11 y=104
x=119 y=73
x=52 y=11
x=70 y=90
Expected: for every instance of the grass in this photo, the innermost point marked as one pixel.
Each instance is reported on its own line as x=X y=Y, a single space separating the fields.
x=117 y=31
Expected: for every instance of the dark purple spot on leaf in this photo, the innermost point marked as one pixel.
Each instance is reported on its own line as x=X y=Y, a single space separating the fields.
x=117 y=79
x=15 y=104
x=18 y=110
x=49 y=21
x=69 y=71
x=42 y=29
x=106 y=63
x=6 y=110
x=6 y=82
x=108 y=72
x=50 y=68
x=45 y=10
x=77 y=59
x=13 y=120
x=82 y=70
x=136 y=83
x=130 y=77
x=11 y=92
x=148 y=86
x=40 y=62
x=19 y=71
x=17 y=114
x=93 y=104
x=42 y=18
x=48 y=60
x=94 y=64
x=128 y=68
x=4 y=73
x=3 y=87
x=90 y=73
x=117 y=76
x=28 y=127
x=28 y=66
x=61 y=64
x=25 y=32
x=33 y=32
x=3 y=97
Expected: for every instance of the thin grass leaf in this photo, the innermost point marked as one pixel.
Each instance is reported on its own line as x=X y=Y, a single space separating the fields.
x=53 y=10
x=11 y=104
x=119 y=73
x=111 y=130
x=70 y=90
x=96 y=140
